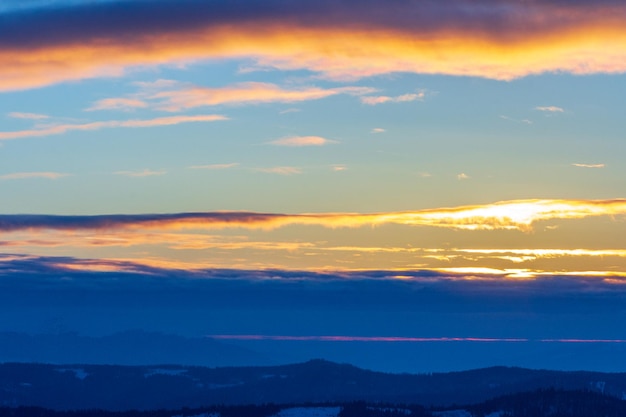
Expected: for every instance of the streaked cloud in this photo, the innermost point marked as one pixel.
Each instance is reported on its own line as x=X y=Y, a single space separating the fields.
x=339 y=167
x=28 y=116
x=245 y=93
x=550 y=109
x=287 y=111
x=118 y=104
x=590 y=165
x=511 y=119
x=374 y=100
x=371 y=339
x=60 y=129
x=378 y=130
x=215 y=166
x=281 y=170
x=298 y=141
x=142 y=173
x=337 y=39
x=505 y=215
x=29 y=175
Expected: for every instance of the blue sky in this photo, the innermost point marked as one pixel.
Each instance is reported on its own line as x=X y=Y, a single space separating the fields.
x=472 y=147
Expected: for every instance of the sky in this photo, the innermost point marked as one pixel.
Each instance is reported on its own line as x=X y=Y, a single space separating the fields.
x=349 y=169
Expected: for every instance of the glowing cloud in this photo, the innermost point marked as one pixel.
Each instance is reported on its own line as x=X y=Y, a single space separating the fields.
x=64 y=128
x=374 y=100
x=505 y=215
x=589 y=165
x=550 y=109
x=298 y=141
x=117 y=104
x=377 y=339
x=245 y=93
x=339 y=39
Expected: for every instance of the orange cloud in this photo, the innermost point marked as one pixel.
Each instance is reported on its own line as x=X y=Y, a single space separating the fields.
x=505 y=215
x=589 y=165
x=298 y=141
x=64 y=128
x=117 y=104
x=246 y=93
x=374 y=100
x=342 y=40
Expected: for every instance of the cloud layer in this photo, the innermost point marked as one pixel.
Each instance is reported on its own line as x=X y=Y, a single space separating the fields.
x=500 y=39
x=504 y=215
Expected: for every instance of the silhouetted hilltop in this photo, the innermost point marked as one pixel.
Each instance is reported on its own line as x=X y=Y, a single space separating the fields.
x=317 y=381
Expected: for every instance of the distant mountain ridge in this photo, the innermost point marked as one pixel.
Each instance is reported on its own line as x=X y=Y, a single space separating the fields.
x=317 y=381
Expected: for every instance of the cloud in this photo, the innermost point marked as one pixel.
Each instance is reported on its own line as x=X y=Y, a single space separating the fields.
x=339 y=167
x=590 y=165
x=245 y=93
x=505 y=215
x=292 y=110
x=24 y=271
x=29 y=175
x=345 y=39
x=378 y=130
x=64 y=128
x=28 y=116
x=281 y=170
x=525 y=121
x=462 y=176
x=550 y=109
x=374 y=100
x=372 y=339
x=117 y=104
x=143 y=173
x=298 y=141
x=215 y=166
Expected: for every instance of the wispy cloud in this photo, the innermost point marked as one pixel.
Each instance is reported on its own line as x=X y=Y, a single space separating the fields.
x=347 y=39
x=462 y=176
x=374 y=100
x=118 y=104
x=245 y=93
x=550 y=109
x=28 y=116
x=64 y=128
x=339 y=167
x=298 y=141
x=505 y=215
x=286 y=111
x=29 y=175
x=215 y=166
x=590 y=165
x=511 y=119
x=142 y=173
x=378 y=130
x=281 y=170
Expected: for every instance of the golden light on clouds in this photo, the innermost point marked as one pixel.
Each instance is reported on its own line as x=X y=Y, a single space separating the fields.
x=352 y=44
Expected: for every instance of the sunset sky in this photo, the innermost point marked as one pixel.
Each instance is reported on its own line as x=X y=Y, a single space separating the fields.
x=467 y=149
